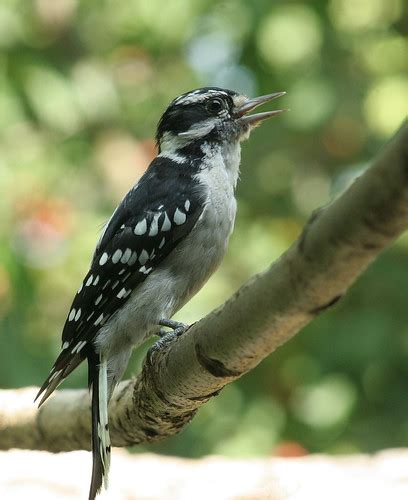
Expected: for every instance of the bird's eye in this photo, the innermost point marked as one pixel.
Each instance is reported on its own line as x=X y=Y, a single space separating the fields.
x=214 y=105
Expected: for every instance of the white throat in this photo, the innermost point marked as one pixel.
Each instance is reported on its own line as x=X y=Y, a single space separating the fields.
x=225 y=155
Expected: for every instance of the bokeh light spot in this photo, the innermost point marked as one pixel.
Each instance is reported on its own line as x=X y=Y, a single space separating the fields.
x=52 y=98
x=326 y=403
x=386 y=105
x=385 y=55
x=290 y=35
x=311 y=189
x=311 y=101
x=352 y=15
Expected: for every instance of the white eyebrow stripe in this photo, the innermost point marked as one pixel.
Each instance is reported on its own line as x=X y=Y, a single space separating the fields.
x=198 y=129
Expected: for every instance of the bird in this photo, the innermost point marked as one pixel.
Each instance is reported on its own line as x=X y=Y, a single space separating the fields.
x=161 y=244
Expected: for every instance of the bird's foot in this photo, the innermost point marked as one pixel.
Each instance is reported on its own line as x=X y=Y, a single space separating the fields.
x=167 y=336
x=177 y=327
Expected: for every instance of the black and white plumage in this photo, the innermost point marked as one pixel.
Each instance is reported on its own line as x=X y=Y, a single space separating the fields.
x=160 y=246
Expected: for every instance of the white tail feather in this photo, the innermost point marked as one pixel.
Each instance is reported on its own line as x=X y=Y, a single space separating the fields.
x=103 y=426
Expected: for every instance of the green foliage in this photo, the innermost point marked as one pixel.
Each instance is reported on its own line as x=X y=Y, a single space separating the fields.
x=82 y=85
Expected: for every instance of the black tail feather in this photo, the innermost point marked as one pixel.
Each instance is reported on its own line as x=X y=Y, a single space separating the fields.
x=60 y=371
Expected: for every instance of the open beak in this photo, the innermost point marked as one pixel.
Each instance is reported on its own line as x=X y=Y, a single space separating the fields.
x=242 y=112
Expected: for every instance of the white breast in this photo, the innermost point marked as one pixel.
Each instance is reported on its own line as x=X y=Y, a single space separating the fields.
x=198 y=256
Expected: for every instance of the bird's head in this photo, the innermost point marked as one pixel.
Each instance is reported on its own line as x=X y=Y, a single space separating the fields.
x=210 y=114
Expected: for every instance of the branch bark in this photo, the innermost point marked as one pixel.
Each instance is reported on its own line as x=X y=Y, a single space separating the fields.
x=335 y=247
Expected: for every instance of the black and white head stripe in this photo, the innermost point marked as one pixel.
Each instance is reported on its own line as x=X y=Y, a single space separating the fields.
x=150 y=222
x=193 y=111
x=201 y=95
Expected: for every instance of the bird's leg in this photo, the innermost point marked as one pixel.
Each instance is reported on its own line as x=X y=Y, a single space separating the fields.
x=177 y=327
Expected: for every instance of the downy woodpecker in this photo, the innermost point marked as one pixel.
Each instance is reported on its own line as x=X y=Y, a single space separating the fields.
x=160 y=246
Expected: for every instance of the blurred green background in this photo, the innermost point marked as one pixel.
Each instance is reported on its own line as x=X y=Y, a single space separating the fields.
x=82 y=86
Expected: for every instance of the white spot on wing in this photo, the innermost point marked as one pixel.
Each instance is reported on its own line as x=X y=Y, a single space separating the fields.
x=141 y=227
x=154 y=227
x=126 y=255
x=126 y=276
x=163 y=241
x=143 y=257
x=98 y=299
x=121 y=294
x=82 y=345
x=166 y=223
x=104 y=259
x=144 y=270
x=78 y=314
x=100 y=318
x=78 y=346
x=89 y=280
x=187 y=205
x=132 y=259
x=179 y=217
x=65 y=345
x=96 y=280
x=80 y=288
x=116 y=256
x=71 y=315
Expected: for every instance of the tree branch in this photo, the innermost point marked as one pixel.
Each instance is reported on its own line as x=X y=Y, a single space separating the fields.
x=335 y=247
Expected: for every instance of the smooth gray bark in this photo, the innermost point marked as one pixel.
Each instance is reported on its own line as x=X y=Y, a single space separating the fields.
x=335 y=247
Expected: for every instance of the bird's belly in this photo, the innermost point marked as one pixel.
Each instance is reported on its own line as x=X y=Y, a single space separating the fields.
x=199 y=255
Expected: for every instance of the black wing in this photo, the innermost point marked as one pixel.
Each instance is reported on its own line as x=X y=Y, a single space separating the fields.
x=150 y=222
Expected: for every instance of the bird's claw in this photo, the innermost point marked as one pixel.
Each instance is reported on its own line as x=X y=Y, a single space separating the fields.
x=167 y=336
x=177 y=327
